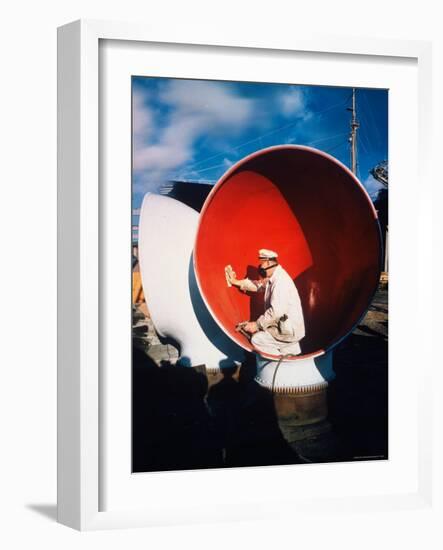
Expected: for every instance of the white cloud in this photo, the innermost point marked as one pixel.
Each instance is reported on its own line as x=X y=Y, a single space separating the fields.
x=165 y=137
x=142 y=118
x=292 y=102
x=209 y=101
x=194 y=109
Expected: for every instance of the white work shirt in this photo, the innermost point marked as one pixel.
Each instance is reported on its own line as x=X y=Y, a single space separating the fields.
x=281 y=297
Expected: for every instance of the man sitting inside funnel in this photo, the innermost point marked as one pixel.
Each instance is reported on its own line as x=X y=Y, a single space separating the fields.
x=280 y=328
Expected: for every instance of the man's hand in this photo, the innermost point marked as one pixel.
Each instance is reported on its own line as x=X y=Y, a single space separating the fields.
x=231 y=276
x=250 y=327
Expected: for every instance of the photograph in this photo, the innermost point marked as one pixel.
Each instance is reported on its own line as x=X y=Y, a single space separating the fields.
x=222 y=279
x=260 y=274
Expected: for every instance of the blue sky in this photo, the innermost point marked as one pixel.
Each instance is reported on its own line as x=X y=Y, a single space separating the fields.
x=196 y=129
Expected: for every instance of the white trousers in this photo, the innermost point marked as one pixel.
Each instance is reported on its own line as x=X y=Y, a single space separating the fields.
x=266 y=343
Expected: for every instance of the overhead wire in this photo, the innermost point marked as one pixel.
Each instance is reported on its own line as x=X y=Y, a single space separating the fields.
x=372 y=116
x=327 y=138
x=259 y=138
x=309 y=143
x=276 y=130
x=365 y=134
x=337 y=147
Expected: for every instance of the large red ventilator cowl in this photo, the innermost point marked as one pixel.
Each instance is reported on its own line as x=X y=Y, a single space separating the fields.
x=311 y=210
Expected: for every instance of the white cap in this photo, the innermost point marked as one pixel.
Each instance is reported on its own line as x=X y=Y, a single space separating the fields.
x=265 y=254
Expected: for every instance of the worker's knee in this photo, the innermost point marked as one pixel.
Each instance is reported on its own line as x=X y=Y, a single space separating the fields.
x=262 y=339
x=257 y=338
x=264 y=342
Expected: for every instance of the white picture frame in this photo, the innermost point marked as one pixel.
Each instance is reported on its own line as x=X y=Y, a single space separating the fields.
x=80 y=256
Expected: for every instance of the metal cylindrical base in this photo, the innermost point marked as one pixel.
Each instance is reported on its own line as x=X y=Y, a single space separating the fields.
x=302 y=416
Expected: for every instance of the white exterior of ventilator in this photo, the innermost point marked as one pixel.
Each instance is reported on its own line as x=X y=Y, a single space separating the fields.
x=166 y=238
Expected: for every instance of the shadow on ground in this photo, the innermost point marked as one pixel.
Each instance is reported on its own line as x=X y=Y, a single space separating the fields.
x=179 y=424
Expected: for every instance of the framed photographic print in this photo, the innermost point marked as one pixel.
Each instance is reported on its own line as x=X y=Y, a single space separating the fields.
x=231 y=220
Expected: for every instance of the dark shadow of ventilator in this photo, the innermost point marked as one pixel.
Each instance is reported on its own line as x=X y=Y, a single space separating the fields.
x=172 y=427
x=179 y=424
x=245 y=417
x=358 y=397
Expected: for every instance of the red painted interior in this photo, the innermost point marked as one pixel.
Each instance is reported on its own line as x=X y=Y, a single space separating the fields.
x=314 y=213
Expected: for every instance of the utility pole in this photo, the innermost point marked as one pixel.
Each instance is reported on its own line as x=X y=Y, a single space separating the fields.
x=353 y=135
